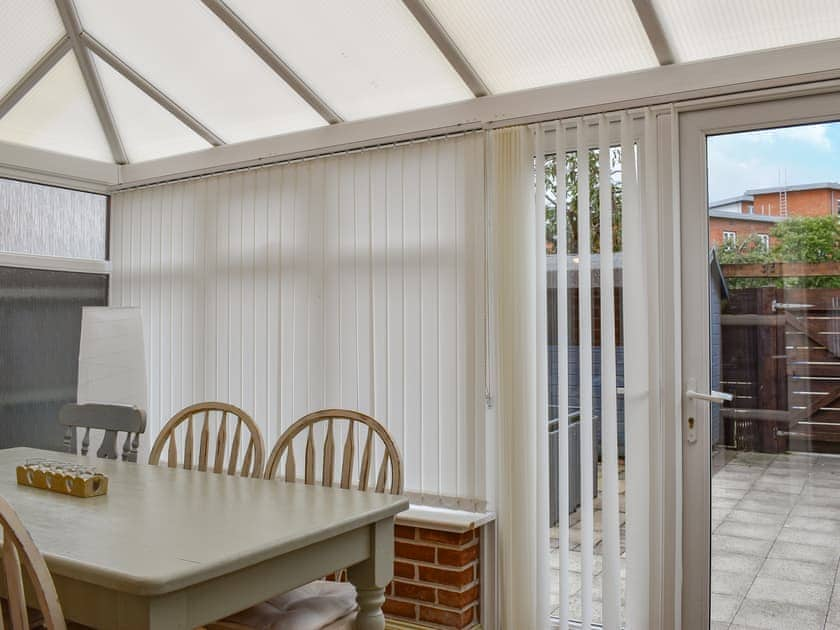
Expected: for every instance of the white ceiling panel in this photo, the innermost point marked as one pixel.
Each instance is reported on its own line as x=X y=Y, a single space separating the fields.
x=518 y=45
x=58 y=115
x=702 y=29
x=363 y=58
x=190 y=55
x=147 y=130
x=28 y=29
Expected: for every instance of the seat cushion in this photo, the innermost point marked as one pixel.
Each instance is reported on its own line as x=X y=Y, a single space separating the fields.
x=312 y=606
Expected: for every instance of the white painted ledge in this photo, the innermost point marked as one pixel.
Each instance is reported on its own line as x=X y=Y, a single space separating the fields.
x=443 y=519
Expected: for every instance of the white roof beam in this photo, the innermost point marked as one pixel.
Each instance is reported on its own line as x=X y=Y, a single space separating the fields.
x=74 y=30
x=150 y=90
x=272 y=59
x=434 y=29
x=655 y=33
x=35 y=74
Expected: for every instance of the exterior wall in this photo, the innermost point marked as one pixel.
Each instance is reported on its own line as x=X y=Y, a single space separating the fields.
x=801 y=203
x=436 y=578
x=741 y=227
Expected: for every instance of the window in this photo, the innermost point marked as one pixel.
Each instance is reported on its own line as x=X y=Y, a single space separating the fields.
x=729 y=237
x=49 y=221
x=764 y=239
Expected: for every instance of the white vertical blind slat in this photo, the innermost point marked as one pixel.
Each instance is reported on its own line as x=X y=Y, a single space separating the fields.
x=541 y=355
x=609 y=413
x=585 y=370
x=636 y=381
x=343 y=281
x=562 y=378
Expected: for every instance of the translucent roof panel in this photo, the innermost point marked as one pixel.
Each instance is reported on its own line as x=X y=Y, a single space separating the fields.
x=363 y=58
x=58 y=115
x=147 y=130
x=517 y=45
x=700 y=29
x=28 y=29
x=190 y=55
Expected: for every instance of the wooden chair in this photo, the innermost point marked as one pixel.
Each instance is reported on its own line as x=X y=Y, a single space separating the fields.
x=252 y=463
x=390 y=466
x=20 y=554
x=112 y=419
x=327 y=605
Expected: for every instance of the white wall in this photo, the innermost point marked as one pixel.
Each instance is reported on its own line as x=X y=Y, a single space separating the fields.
x=352 y=281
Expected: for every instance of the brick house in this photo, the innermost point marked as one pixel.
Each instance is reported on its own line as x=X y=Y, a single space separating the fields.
x=756 y=211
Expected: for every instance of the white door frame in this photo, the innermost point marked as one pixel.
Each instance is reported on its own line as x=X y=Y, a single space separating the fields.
x=694 y=127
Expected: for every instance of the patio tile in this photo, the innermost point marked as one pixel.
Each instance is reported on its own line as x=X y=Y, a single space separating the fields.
x=816 y=511
x=739 y=545
x=734 y=584
x=728 y=493
x=719 y=625
x=724 y=607
x=776 y=615
x=805 y=537
x=749 y=530
x=737 y=484
x=797 y=571
x=757 y=518
x=811 y=490
x=805 y=553
x=736 y=563
x=718 y=514
x=719 y=503
x=814 y=596
x=833 y=619
x=811 y=524
x=756 y=505
x=783 y=484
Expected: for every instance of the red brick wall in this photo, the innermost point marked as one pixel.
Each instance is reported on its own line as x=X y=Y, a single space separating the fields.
x=801 y=203
x=742 y=229
x=436 y=578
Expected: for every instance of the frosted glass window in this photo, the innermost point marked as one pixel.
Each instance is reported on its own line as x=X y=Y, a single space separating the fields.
x=700 y=29
x=49 y=221
x=28 y=29
x=147 y=130
x=58 y=115
x=363 y=58
x=517 y=45
x=189 y=54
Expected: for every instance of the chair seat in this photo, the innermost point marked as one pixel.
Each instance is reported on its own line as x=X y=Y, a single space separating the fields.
x=314 y=606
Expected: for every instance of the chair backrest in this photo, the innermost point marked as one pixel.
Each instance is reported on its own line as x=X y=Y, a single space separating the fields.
x=390 y=466
x=20 y=554
x=112 y=419
x=222 y=459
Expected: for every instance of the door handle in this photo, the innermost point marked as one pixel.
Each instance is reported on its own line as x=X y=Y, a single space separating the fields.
x=712 y=396
x=692 y=394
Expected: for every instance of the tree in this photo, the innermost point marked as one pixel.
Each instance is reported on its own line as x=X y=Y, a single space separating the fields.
x=797 y=239
x=571 y=175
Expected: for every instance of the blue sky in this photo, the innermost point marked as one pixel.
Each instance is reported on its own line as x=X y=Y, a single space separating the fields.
x=758 y=159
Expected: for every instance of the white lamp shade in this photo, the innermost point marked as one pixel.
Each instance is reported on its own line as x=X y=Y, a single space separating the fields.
x=112 y=357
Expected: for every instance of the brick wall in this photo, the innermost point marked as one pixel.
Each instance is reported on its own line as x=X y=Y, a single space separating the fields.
x=436 y=578
x=742 y=229
x=818 y=202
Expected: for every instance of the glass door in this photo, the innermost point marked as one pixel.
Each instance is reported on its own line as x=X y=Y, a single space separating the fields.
x=760 y=192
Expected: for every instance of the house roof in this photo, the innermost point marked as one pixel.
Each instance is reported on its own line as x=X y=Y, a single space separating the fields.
x=125 y=81
x=734 y=216
x=798 y=187
x=730 y=200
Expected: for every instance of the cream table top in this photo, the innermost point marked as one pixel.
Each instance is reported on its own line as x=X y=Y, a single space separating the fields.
x=159 y=530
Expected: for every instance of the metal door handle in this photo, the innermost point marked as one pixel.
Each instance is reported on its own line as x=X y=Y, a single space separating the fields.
x=713 y=396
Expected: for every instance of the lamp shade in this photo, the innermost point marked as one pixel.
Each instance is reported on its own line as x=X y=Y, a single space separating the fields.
x=112 y=357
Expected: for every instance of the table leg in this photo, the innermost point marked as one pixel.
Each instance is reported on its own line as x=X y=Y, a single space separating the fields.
x=372 y=576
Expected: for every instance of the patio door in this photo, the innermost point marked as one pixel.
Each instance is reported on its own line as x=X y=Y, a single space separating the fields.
x=760 y=251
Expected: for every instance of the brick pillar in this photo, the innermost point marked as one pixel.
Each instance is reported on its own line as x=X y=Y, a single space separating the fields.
x=435 y=578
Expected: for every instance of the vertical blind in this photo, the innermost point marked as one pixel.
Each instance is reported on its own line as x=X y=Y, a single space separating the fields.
x=598 y=600
x=352 y=281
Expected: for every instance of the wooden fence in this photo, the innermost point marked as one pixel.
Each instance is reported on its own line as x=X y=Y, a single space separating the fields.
x=780 y=358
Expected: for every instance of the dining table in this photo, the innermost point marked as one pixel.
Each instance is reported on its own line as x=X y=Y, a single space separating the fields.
x=168 y=548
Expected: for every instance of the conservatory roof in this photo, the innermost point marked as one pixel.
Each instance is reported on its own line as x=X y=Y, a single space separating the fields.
x=126 y=82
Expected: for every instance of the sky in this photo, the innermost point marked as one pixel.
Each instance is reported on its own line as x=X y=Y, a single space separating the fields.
x=760 y=159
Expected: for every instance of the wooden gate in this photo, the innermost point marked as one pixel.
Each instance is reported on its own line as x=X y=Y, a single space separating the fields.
x=780 y=358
